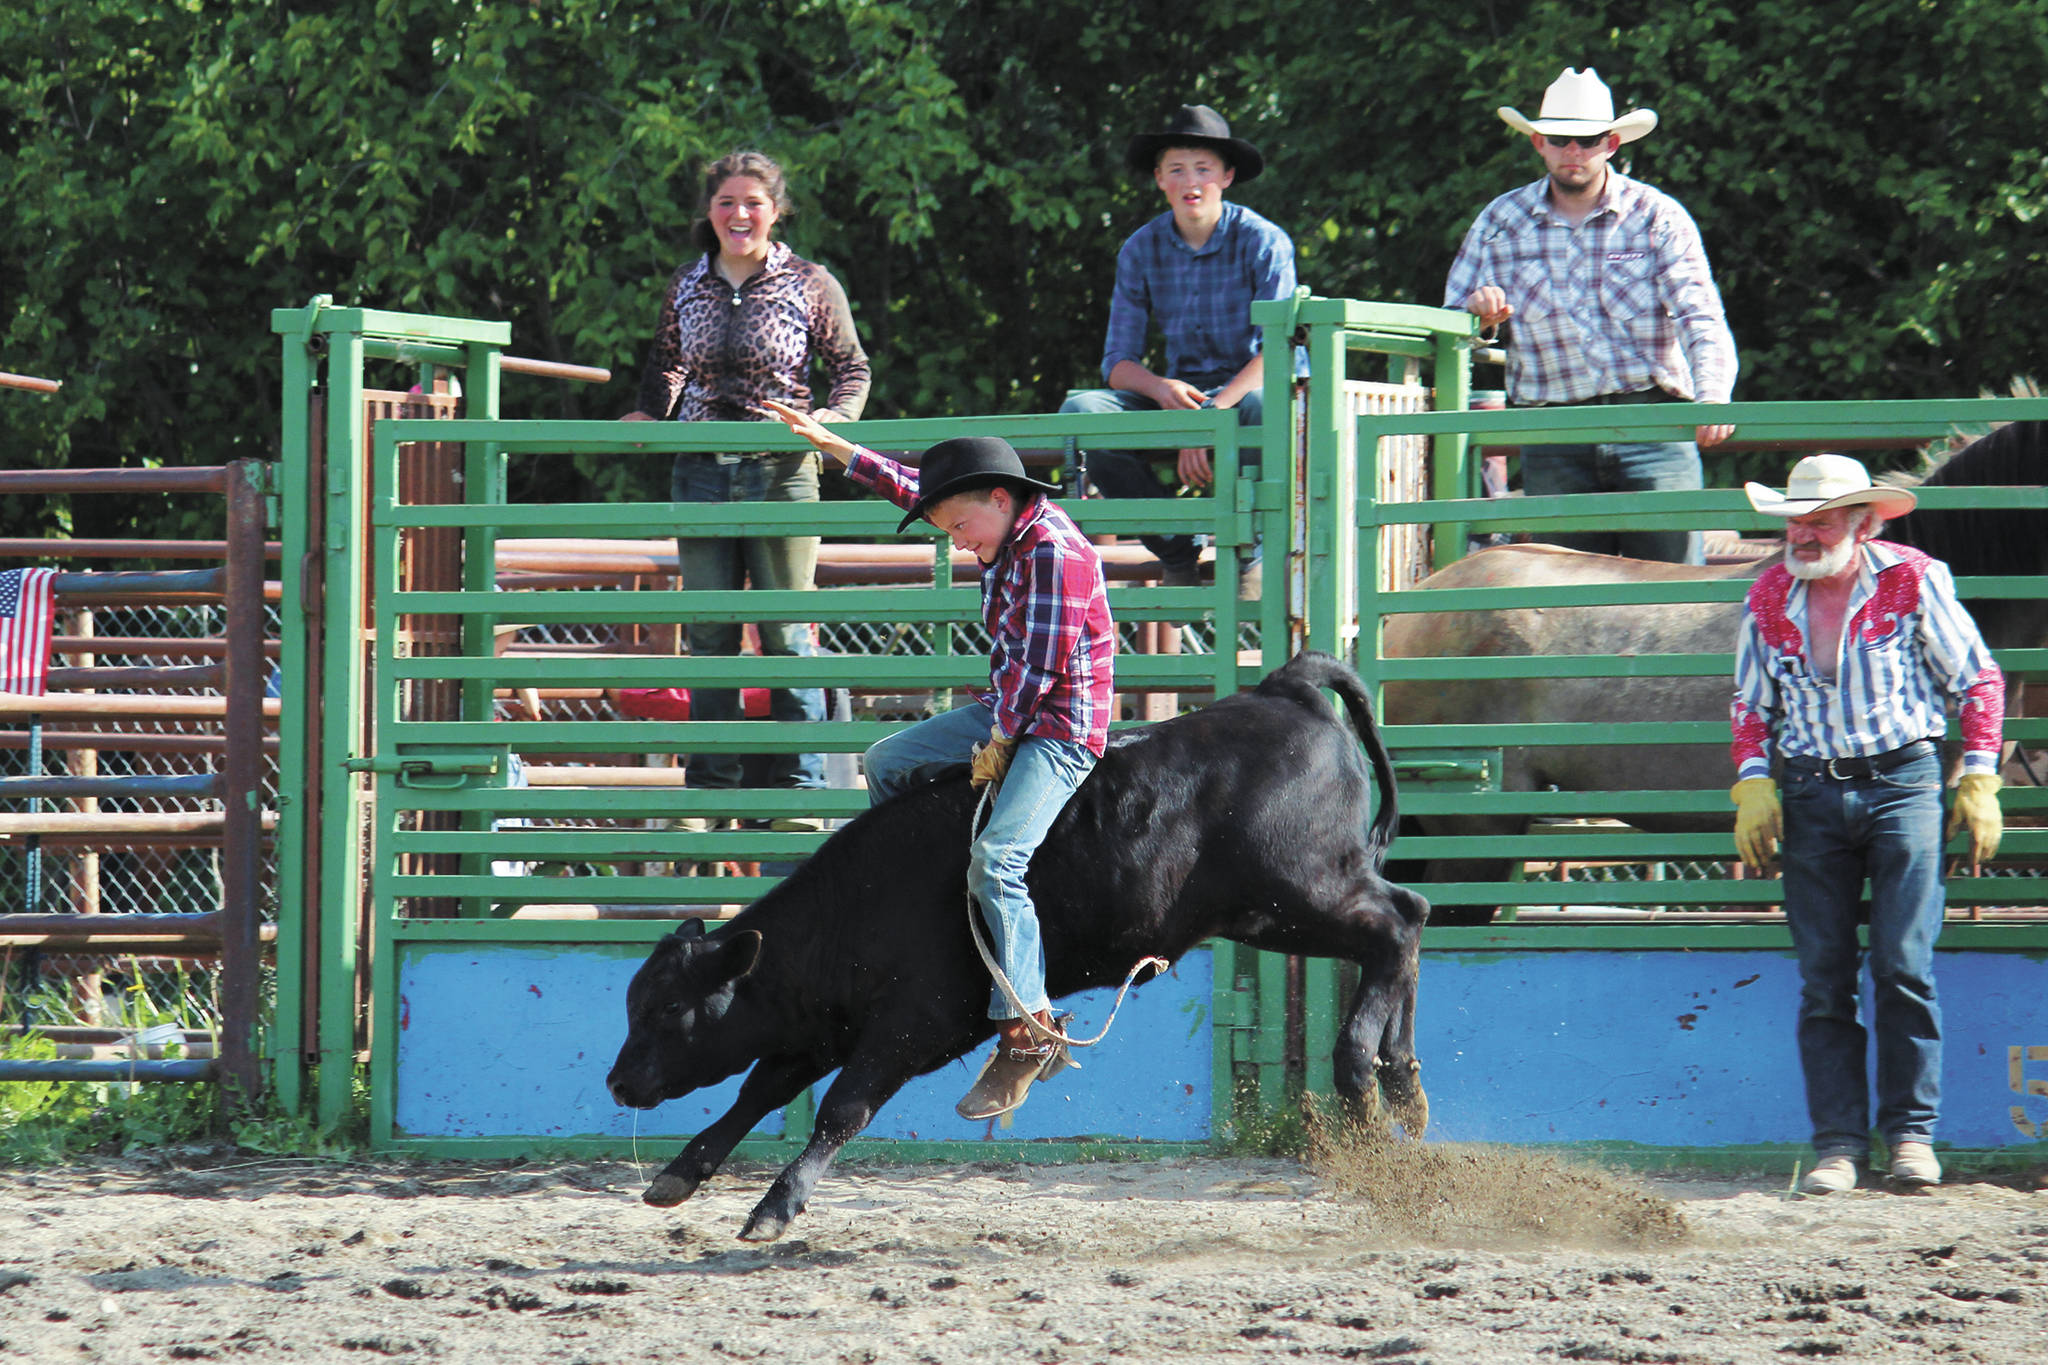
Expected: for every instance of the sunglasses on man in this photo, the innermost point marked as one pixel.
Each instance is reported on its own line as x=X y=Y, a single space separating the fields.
x=1592 y=142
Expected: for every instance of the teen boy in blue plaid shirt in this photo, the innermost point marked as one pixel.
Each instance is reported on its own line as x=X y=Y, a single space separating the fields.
x=1194 y=271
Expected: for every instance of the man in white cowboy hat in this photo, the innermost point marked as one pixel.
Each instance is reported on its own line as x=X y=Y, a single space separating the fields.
x=1194 y=272
x=1850 y=653
x=1607 y=289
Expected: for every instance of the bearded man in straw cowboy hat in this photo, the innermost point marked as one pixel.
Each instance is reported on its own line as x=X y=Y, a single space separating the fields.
x=1194 y=272
x=1606 y=287
x=1851 y=651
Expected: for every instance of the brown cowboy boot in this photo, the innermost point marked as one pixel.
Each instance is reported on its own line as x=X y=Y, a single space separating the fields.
x=1017 y=1061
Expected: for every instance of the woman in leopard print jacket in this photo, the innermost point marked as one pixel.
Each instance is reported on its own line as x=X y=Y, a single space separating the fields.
x=743 y=323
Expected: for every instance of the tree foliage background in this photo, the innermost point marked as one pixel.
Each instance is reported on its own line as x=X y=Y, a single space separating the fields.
x=1867 y=174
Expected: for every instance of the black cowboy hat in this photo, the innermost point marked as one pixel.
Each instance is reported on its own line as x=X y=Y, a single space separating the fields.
x=1196 y=125
x=962 y=464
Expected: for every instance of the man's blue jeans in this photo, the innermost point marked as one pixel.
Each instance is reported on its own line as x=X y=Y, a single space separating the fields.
x=727 y=564
x=1043 y=776
x=1126 y=474
x=1886 y=827
x=1623 y=467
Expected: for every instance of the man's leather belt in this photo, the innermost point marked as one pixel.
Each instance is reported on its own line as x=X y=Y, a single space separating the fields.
x=1649 y=395
x=1854 y=769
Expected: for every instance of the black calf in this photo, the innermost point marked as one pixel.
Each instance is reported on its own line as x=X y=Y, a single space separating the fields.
x=1248 y=820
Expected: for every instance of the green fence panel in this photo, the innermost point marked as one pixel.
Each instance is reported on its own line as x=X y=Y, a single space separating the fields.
x=1800 y=423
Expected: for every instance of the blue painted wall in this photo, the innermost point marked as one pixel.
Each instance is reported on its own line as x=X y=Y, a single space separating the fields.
x=497 y=1040
x=1677 y=1049
x=1669 y=1049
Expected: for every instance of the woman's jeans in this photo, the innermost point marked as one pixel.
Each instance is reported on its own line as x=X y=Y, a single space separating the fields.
x=1043 y=775
x=727 y=564
x=1886 y=827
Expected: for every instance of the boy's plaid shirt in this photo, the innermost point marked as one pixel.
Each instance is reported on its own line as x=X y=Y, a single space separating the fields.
x=1052 y=665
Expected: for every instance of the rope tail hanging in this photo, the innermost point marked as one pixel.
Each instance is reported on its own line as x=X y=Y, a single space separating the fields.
x=1040 y=1033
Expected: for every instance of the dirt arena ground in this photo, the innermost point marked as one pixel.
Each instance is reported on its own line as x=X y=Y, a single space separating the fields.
x=1442 y=1255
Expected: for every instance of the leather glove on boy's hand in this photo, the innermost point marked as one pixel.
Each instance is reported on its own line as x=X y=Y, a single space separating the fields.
x=1759 y=821
x=992 y=760
x=1977 y=806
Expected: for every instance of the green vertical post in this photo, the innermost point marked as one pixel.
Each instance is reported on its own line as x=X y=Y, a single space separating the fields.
x=1269 y=1045
x=1450 y=456
x=1271 y=492
x=483 y=481
x=382 y=488
x=341 y=721
x=1222 y=1036
x=1323 y=594
x=286 y=1031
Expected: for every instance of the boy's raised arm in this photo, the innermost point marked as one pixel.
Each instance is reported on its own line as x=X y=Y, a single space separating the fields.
x=812 y=430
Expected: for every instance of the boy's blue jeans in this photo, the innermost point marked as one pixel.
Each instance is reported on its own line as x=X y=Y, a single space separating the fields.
x=1886 y=827
x=1043 y=775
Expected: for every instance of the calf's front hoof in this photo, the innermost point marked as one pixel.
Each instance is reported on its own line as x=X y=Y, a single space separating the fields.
x=764 y=1227
x=666 y=1191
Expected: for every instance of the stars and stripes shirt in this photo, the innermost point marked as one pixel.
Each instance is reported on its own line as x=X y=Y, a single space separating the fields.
x=1908 y=649
x=26 y=618
x=1052 y=665
x=1200 y=299
x=1623 y=302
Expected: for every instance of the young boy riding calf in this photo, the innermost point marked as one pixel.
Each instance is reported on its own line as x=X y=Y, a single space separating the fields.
x=1036 y=732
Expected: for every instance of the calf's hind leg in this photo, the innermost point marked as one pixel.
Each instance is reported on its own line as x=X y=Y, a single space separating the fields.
x=1400 y=1074
x=1379 y=928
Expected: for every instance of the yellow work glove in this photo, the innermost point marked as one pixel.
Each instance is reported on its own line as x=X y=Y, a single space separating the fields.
x=1977 y=806
x=992 y=760
x=1759 y=822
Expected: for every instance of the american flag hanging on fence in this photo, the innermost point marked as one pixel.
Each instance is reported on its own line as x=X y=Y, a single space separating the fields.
x=25 y=619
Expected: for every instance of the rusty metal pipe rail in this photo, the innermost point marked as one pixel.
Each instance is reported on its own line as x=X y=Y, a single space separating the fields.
x=118 y=822
x=195 y=676
x=64 y=547
x=125 y=742
x=207 y=647
x=184 y=479
x=202 y=934
x=118 y=1051
x=118 y=843
x=183 y=1069
x=66 y=587
x=455 y=357
x=175 y=787
x=29 y=382
x=127 y=707
x=92 y=1033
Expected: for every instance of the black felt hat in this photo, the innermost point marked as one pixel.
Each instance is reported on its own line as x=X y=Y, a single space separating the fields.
x=1196 y=125
x=964 y=463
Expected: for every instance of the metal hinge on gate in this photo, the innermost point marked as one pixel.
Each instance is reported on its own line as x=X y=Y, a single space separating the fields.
x=1244 y=1023
x=437 y=771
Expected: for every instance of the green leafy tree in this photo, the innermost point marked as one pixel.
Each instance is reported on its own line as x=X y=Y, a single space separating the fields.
x=1865 y=172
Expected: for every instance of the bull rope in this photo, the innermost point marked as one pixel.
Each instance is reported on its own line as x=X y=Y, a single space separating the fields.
x=1040 y=1033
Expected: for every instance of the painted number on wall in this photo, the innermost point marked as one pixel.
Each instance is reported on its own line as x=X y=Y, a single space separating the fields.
x=2016 y=1059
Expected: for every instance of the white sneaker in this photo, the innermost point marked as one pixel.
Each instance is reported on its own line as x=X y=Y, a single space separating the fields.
x=1830 y=1175
x=1914 y=1166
